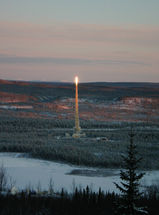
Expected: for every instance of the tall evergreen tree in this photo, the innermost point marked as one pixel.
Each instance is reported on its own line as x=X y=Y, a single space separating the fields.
x=130 y=183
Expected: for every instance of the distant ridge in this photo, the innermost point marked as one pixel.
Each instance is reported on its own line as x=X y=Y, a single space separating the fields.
x=3 y=81
x=109 y=84
x=124 y=84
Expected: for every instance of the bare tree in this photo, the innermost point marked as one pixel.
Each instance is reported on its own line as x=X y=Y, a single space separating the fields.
x=3 y=178
x=51 y=187
x=6 y=181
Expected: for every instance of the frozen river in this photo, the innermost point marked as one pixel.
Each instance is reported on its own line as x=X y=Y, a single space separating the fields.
x=29 y=172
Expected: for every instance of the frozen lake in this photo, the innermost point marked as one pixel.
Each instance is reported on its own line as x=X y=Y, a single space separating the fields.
x=29 y=172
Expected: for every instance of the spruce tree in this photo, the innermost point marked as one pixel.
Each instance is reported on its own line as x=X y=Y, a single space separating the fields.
x=129 y=187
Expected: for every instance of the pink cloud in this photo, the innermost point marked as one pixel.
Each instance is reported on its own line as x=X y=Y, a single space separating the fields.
x=112 y=51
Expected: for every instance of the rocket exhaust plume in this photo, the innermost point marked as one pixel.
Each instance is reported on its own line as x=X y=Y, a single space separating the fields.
x=77 y=127
x=77 y=130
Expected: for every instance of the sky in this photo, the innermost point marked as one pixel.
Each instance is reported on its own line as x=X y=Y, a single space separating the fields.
x=98 y=40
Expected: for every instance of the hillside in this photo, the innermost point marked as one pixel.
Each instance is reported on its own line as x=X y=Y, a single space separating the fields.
x=97 y=101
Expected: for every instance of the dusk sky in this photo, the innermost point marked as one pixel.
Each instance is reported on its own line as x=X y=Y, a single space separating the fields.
x=98 y=40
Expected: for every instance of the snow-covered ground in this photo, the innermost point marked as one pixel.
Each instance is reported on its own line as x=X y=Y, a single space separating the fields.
x=29 y=172
x=16 y=107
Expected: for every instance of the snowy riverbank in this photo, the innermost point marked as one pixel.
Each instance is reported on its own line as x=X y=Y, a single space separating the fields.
x=29 y=172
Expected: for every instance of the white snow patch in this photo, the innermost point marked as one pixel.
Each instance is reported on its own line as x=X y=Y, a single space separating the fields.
x=27 y=171
x=16 y=107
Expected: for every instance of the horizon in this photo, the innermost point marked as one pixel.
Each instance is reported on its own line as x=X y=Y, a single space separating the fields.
x=69 y=82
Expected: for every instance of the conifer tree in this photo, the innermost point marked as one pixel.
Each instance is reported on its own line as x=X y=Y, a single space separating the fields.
x=130 y=183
